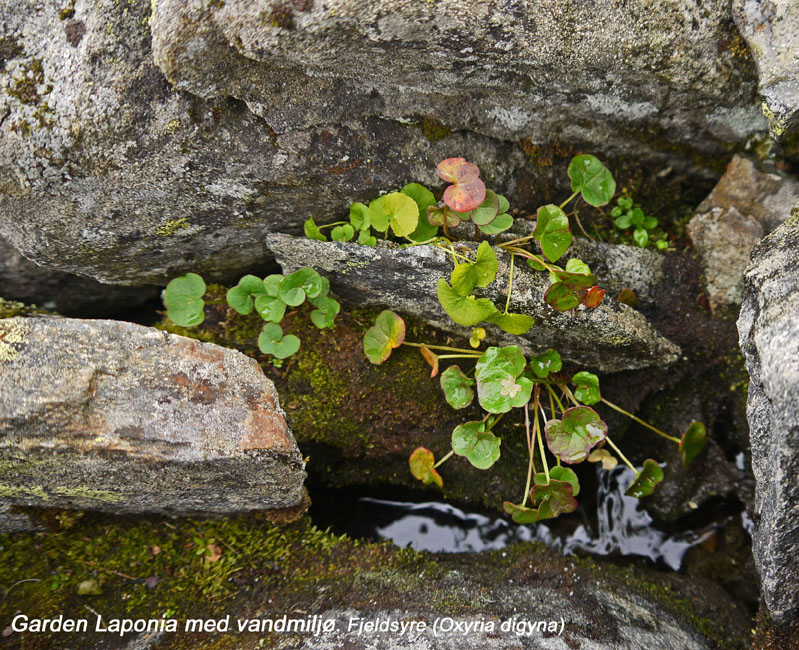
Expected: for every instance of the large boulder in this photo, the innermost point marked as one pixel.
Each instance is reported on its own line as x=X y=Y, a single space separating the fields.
x=289 y=110
x=68 y=294
x=771 y=30
x=609 y=338
x=112 y=416
x=595 y=72
x=769 y=338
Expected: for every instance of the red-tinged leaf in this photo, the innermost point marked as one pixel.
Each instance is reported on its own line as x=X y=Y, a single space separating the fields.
x=431 y=358
x=593 y=297
x=553 y=499
x=646 y=480
x=387 y=333
x=467 y=190
x=457 y=170
x=465 y=197
x=438 y=215
x=628 y=297
x=421 y=463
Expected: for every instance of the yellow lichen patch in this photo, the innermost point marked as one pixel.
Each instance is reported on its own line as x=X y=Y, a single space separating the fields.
x=777 y=125
x=173 y=126
x=172 y=226
x=13 y=335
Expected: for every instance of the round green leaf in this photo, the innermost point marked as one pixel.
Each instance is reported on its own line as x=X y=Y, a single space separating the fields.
x=325 y=312
x=647 y=479
x=342 y=233
x=241 y=296
x=457 y=387
x=592 y=179
x=520 y=514
x=552 y=231
x=378 y=216
x=498 y=225
x=359 y=216
x=509 y=359
x=270 y=336
x=183 y=298
x=587 y=388
x=572 y=438
x=365 y=238
x=566 y=474
x=692 y=442
x=291 y=290
x=637 y=216
x=516 y=324
x=577 y=266
x=641 y=237
x=487 y=211
x=286 y=347
x=271 y=308
x=424 y=199
x=421 y=463
x=312 y=230
x=403 y=213
x=480 y=273
x=464 y=310
x=499 y=384
x=545 y=363
x=272 y=284
x=387 y=333
x=624 y=221
x=480 y=447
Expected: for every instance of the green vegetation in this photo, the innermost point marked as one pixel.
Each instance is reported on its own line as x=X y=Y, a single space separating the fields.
x=269 y=297
x=633 y=224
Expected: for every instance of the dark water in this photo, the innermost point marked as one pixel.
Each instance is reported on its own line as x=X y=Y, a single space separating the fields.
x=614 y=525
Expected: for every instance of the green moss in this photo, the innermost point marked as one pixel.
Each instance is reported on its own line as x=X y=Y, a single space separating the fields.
x=67 y=12
x=434 y=130
x=171 y=227
x=11 y=308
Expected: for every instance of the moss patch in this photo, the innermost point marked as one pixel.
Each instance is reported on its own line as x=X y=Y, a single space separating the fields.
x=359 y=422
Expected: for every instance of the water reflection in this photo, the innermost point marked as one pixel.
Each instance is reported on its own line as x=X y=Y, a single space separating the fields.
x=619 y=526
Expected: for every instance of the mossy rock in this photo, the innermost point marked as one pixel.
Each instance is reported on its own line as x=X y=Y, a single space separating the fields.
x=247 y=567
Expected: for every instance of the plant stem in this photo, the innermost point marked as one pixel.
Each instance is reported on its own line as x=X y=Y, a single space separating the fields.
x=443 y=460
x=460 y=356
x=563 y=205
x=640 y=421
x=510 y=283
x=330 y=225
x=496 y=421
x=570 y=395
x=622 y=456
x=531 y=256
x=560 y=404
x=517 y=241
x=540 y=441
x=440 y=347
x=579 y=223
x=530 y=464
x=449 y=249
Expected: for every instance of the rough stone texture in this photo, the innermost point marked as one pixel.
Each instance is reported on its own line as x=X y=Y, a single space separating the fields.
x=745 y=204
x=123 y=178
x=118 y=417
x=609 y=338
x=15 y=522
x=21 y=279
x=724 y=239
x=771 y=30
x=769 y=337
x=594 y=73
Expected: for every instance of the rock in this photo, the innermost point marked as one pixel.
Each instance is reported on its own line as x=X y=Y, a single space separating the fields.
x=504 y=70
x=766 y=196
x=15 y=522
x=21 y=279
x=106 y=415
x=724 y=239
x=746 y=204
x=300 y=573
x=125 y=179
x=769 y=337
x=609 y=338
x=771 y=30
